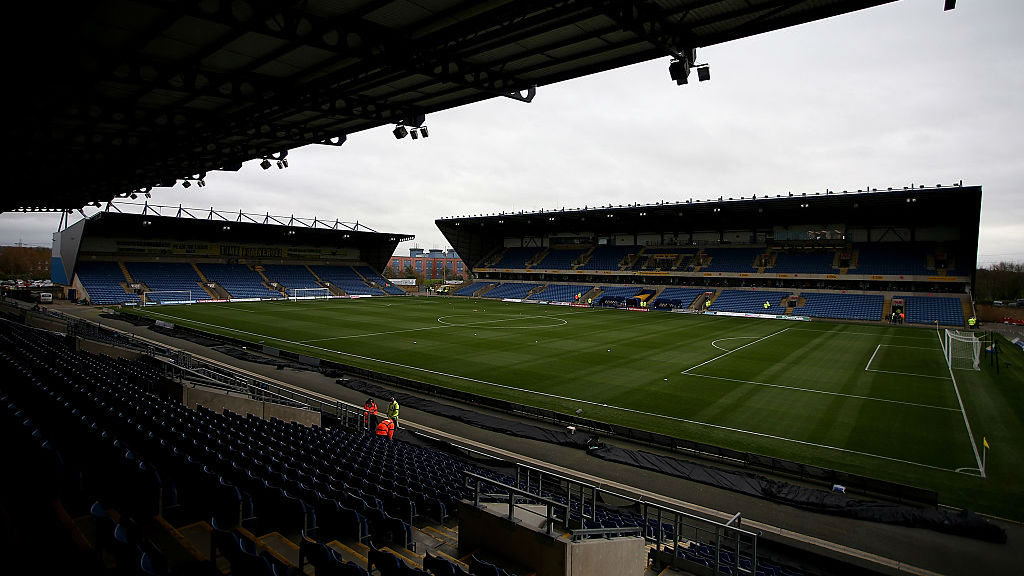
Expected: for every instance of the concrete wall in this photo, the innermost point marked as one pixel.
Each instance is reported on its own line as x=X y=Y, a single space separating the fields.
x=526 y=544
x=218 y=401
x=94 y=347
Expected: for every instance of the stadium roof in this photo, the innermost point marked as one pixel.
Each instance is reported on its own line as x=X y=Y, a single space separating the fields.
x=375 y=248
x=953 y=207
x=107 y=98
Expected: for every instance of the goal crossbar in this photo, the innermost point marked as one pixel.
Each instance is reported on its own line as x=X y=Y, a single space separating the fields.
x=962 y=350
x=155 y=297
x=308 y=293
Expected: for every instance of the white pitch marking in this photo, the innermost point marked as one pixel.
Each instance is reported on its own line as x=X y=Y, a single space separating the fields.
x=577 y=400
x=731 y=351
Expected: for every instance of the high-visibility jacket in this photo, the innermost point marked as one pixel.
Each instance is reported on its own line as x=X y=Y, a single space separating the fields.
x=393 y=409
x=368 y=409
x=971 y=321
x=386 y=428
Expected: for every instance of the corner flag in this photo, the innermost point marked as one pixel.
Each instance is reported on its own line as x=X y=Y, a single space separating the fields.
x=984 y=441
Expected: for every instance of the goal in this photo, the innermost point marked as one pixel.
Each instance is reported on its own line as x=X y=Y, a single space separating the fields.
x=963 y=350
x=308 y=293
x=167 y=297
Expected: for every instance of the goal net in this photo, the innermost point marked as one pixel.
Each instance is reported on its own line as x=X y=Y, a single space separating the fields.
x=963 y=350
x=167 y=297
x=308 y=293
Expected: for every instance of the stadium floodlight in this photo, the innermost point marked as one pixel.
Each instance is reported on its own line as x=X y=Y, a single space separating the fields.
x=265 y=164
x=414 y=133
x=950 y=4
x=185 y=183
x=679 y=70
x=133 y=196
x=423 y=131
x=400 y=132
x=704 y=73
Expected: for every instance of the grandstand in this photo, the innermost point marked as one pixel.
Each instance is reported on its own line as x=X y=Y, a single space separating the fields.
x=103 y=283
x=943 y=311
x=560 y=292
x=514 y=290
x=747 y=302
x=866 y=307
x=676 y=297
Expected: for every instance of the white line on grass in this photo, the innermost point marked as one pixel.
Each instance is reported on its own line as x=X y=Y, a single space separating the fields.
x=588 y=402
x=964 y=412
x=232 y=308
x=443 y=325
x=730 y=338
x=731 y=351
x=863 y=334
x=872 y=359
x=906 y=374
x=860 y=397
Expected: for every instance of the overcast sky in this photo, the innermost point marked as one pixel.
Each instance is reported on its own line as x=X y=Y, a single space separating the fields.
x=895 y=95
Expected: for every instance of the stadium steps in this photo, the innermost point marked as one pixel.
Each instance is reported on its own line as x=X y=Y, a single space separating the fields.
x=508 y=566
x=182 y=555
x=199 y=535
x=493 y=258
x=886 y=308
x=538 y=258
x=266 y=281
x=591 y=294
x=584 y=258
x=313 y=274
x=440 y=541
x=965 y=307
x=678 y=261
x=199 y=272
x=124 y=270
x=486 y=289
x=281 y=548
x=217 y=291
x=356 y=552
x=630 y=261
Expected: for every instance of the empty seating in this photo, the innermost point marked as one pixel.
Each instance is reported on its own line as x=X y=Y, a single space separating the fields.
x=617 y=294
x=379 y=281
x=841 y=306
x=102 y=283
x=608 y=257
x=946 y=311
x=167 y=277
x=239 y=280
x=891 y=258
x=291 y=276
x=677 y=297
x=560 y=259
x=731 y=259
x=803 y=263
x=561 y=292
x=347 y=279
x=471 y=289
x=750 y=302
x=514 y=290
x=515 y=258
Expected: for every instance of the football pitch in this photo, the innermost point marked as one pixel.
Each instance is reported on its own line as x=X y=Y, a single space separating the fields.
x=878 y=401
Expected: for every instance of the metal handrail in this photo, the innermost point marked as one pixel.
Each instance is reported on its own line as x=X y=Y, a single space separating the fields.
x=514 y=491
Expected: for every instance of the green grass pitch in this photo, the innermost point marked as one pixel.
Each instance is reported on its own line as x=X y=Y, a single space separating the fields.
x=872 y=400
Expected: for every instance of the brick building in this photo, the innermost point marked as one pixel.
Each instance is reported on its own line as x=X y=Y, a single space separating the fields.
x=432 y=264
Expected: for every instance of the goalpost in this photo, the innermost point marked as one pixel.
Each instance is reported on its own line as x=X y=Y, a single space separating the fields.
x=167 y=297
x=962 y=350
x=308 y=293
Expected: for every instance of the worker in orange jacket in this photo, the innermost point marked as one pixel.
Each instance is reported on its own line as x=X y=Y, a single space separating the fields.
x=370 y=415
x=386 y=428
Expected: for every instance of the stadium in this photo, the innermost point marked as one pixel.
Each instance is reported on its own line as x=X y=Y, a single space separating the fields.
x=784 y=384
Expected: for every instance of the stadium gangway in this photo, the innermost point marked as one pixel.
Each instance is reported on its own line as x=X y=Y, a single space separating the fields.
x=699 y=529
x=564 y=484
x=516 y=496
